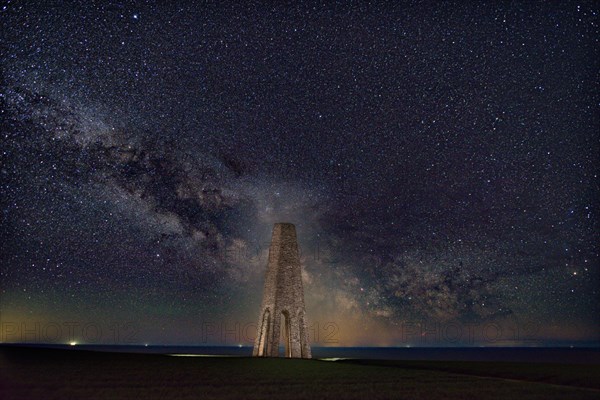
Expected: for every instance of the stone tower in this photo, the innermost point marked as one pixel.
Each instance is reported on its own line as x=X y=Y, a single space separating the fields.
x=282 y=311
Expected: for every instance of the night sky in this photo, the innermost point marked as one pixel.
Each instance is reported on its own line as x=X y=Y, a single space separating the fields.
x=439 y=160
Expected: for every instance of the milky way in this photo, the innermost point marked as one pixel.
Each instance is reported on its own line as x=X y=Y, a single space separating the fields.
x=440 y=163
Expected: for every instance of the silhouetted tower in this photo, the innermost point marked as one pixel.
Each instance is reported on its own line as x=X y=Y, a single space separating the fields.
x=283 y=299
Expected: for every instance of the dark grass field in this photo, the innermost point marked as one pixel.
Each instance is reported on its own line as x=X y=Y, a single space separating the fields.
x=37 y=373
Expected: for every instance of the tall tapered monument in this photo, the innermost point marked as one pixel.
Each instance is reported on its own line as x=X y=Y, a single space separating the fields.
x=282 y=311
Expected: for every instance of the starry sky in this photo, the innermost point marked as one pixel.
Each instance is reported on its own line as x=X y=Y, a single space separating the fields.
x=439 y=160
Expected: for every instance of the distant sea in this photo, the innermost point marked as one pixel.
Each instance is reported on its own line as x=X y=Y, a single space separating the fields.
x=563 y=355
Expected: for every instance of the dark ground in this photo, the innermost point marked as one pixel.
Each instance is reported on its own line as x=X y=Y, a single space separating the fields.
x=37 y=373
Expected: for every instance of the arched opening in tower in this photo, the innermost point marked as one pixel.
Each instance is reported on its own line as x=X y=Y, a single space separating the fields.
x=286 y=334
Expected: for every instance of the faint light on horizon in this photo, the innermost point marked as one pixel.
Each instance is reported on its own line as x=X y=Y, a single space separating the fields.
x=72 y=343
